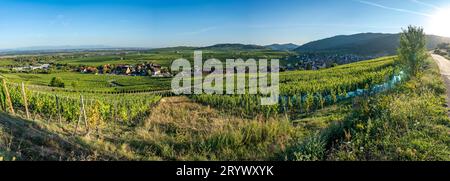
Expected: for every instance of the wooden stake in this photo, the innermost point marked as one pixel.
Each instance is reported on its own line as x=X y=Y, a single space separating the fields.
x=82 y=114
x=25 y=102
x=2 y=102
x=8 y=98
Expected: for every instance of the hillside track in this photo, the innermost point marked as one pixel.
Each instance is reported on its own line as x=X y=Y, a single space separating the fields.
x=444 y=67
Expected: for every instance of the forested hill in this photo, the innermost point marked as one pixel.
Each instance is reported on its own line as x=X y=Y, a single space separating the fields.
x=283 y=47
x=374 y=44
x=234 y=46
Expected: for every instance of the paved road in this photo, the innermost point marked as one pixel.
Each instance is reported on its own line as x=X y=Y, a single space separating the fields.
x=444 y=67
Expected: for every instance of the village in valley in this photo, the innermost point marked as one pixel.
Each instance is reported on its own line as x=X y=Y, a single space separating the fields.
x=144 y=69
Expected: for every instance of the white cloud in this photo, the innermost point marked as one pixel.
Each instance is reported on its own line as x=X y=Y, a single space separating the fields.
x=392 y=8
x=426 y=4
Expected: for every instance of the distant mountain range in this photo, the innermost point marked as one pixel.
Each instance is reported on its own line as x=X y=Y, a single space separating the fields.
x=375 y=44
x=234 y=46
x=66 y=47
x=237 y=47
x=62 y=49
x=366 y=44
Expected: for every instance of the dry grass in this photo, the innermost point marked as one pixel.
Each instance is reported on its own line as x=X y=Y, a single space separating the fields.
x=176 y=129
x=179 y=129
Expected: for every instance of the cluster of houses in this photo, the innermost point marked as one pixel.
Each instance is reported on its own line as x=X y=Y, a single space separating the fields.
x=144 y=69
x=306 y=61
x=315 y=61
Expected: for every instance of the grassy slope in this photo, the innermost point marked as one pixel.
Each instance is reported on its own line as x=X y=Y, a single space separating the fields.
x=177 y=129
x=408 y=123
x=7 y=61
x=26 y=140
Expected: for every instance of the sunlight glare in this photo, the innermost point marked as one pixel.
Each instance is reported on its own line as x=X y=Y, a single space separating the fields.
x=440 y=23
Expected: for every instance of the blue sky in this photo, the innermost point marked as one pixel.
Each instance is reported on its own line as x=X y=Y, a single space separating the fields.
x=161 y=23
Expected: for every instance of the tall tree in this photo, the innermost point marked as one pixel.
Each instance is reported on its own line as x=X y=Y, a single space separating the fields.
x=412 y=51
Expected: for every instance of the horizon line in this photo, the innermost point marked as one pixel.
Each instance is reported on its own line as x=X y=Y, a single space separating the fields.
x=104 y=46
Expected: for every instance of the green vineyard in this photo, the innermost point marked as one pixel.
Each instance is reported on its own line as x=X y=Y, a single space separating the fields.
x=306 y=91
x=67 y=107
x=301 y=92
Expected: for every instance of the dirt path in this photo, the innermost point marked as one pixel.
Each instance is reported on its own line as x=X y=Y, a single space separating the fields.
x=444 y=67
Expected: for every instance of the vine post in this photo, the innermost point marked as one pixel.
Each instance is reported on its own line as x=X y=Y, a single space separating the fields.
x=8 y=97
x=25 y=102
x=82 y=115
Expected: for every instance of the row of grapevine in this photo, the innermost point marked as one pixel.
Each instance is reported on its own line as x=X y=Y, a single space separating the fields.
x=244 y=105
x=306 y=91
x=93 y=91
x=66 y=108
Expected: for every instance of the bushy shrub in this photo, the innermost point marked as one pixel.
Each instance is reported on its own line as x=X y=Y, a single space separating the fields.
x=56 y=82
x=312 y=149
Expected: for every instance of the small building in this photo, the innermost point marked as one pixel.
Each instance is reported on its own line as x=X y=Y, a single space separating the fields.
x=89 y=70
x=123 y=69
x=154 y=68
x=30 y=67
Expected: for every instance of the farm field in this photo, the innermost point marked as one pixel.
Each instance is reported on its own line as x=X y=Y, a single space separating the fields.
x=163 y=56
x=292 y=82
x=65 y=65
x=86 y=82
